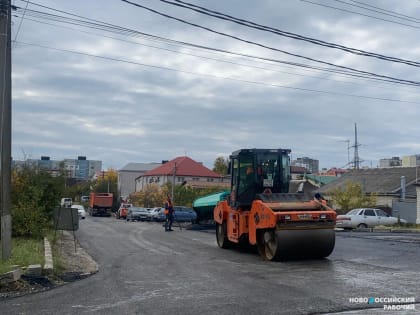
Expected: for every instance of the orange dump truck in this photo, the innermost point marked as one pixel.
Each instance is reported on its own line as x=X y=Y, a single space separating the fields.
x=100 y=204
x=261 y=211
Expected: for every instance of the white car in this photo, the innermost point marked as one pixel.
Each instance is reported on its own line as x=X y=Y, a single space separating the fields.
x=157 y=215
x=365 y=217
x=66 y=202
x=84 y=199
x=81 y=210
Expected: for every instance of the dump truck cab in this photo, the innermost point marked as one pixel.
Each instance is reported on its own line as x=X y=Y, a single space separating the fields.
x=261 y=211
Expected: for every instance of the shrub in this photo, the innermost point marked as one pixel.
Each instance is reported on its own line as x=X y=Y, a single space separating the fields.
x=34 y=195
x=352 y=196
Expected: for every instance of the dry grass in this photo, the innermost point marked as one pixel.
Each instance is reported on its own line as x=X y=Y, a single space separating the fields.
x=25 y=252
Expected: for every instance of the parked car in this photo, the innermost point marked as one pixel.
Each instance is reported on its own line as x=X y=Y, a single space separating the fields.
x=365 y=217
x=137 y=214
x=66 y=202
x=84 y=199
x=123 y=210
x=80 y=210
x=185 y=214
x=156 y=214
x=150 y=212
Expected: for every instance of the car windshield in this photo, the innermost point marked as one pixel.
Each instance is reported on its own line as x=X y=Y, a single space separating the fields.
x=353 y=212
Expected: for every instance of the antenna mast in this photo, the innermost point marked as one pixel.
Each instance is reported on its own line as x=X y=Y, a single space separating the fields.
x=356 y=159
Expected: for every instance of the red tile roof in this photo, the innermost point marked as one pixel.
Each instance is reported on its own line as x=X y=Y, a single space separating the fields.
x=185 y=166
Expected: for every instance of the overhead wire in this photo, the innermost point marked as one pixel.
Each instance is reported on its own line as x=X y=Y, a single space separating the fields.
x=358 y=13
x=21 y=20
x=127 y=31
x=215 y=59
x=265 y=46
x=95 y=24
x=376 y=9
x=226 y=17
x=343 y=75
x=217 y=76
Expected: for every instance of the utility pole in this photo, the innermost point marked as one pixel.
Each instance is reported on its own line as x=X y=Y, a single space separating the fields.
x=5 y=127
x=348 y=150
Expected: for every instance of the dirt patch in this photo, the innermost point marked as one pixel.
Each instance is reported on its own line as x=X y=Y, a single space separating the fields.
x=74 y=258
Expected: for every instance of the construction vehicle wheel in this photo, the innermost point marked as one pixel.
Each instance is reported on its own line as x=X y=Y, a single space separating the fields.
x=267 y=244
x=221 y=235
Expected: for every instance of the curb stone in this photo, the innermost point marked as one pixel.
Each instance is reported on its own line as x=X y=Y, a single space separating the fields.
x=380 y=230
x=11 y=276
x=48 y=266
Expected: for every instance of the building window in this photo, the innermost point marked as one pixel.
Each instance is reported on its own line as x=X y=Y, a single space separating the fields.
x=197 y=179
x=210 y=179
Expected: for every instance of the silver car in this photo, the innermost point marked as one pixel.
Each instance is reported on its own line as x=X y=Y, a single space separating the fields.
x=137 y=214
x=157 y=215
x=365 y=217
x=80 y=210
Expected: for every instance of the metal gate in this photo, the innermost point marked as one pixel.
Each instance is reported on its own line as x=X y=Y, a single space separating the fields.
x=405 y=210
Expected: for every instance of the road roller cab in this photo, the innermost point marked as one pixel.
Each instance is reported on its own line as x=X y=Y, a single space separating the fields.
x=261 y=211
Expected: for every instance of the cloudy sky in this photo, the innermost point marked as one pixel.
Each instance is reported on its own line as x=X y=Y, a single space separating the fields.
x=119 y=83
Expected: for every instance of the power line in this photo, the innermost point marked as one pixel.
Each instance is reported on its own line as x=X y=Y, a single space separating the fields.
x=229 y=62
x=276 y=31
x=378 y=10
x=220 y=77
x=358 y=13
x=95 y=24
x=209 y=58
x=265 y=46
x=21 y=21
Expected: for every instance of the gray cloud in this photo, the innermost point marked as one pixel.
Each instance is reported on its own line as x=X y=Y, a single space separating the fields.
x=65 y=105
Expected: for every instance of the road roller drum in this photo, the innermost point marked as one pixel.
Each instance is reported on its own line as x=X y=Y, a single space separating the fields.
x=295 y=244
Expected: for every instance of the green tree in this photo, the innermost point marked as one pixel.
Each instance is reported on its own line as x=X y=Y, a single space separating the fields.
x=352 y=196
x=221 y=165
x=81 y=188
x=34 y=195
x=151 y=196
x=107 y=183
